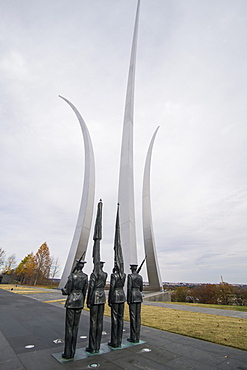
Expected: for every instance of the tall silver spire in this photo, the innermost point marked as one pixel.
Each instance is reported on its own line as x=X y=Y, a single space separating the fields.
x=84 y=221
x=154 y=277
x=126 y=176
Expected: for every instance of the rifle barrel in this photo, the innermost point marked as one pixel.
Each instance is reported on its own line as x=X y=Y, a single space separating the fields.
x=139 y=268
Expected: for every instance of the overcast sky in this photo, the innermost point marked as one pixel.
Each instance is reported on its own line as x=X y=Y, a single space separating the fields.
x=191 y=81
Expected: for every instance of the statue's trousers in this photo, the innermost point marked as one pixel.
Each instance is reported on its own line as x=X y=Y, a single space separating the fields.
x=71 y=330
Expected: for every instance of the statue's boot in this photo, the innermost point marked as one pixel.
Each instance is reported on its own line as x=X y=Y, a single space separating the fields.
x=66 y=357
x=90 y=350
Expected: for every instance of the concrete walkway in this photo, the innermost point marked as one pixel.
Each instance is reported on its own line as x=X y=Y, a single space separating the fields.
x=25 y=321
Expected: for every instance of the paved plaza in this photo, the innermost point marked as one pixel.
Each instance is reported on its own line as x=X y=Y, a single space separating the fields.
x=31 y=332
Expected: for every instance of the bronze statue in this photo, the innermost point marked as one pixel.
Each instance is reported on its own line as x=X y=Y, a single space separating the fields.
x=116 y=301
x=75 y=289
x=116 y=297
x=96 y=294
x=96 y=303
x=134 y=300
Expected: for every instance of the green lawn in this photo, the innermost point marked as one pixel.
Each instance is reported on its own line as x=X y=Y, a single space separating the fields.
x=219 y=306
x=228 y=331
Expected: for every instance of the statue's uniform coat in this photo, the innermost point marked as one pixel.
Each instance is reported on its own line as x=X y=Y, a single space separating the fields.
x=116 y=300
x=134 y=300
x=96 y=301
x=75 y=288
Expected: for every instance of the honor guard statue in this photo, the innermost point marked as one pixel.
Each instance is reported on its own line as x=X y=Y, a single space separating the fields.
x=96 y=303
x=116 y=301
x=96 y=294
x=75 y=289
x=116 y=297
x=134 y=300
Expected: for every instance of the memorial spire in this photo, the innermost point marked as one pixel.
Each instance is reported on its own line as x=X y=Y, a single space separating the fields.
x=126 y=176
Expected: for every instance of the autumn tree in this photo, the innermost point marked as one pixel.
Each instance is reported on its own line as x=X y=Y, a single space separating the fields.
x=9 y=264
x=54 y=267
x=181 y=294
x=240 y=295
x=2 y=256
x=225 y=293
x=43 y=264
x=26 y=269
x=205 y=293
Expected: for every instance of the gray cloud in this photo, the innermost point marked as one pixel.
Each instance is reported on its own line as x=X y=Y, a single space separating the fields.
x=191 y=80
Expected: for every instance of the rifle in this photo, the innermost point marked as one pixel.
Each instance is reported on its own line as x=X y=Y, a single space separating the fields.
x=139 y=268
x=77 y=264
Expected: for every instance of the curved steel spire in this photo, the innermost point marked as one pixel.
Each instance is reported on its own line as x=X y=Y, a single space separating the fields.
x=153 y=271
x=84 y=221
x=126 y=177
